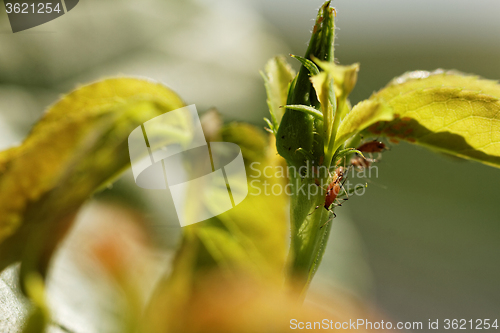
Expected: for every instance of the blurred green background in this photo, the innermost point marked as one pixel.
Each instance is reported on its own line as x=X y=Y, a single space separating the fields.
x=422 y=243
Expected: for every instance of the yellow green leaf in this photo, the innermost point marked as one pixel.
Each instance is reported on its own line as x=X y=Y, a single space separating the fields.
x=39 y=315
x=277 y=78
x=345 y=78
x=79 y=145
x=362 y=116
x=445 y=111
x=250 y=236
x=5 y=157
x=323 y=85
x=439 y=78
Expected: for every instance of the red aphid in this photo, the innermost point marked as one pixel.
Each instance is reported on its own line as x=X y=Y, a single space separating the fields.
x=360 y=162
x=333 y=189
x=372 y=147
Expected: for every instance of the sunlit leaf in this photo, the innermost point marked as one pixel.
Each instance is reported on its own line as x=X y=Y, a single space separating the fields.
x=445 y=111
x=439 y=78
x=79 y=145
x=345 y=78
x=362 y=116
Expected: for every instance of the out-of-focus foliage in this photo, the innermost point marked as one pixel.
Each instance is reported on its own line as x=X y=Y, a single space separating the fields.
x=246 y=245
x=184 y=44
x=40 y=315
x=79 y=145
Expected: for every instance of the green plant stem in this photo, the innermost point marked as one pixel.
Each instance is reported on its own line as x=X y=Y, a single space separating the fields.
x=307 y=231
x=308 y=217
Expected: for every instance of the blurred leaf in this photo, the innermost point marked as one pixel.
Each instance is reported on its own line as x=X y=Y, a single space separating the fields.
x=444 y=111
x=39 y=316
x=254 y=149
x=241 y=305
x=249 y=240
x=78 y=146
x=211 y=122
x=5 y=157
x=258 y=225
x=277 y=78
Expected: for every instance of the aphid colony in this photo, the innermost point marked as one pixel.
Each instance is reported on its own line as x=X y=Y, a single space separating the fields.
x=369 y=147
x=335 y=192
